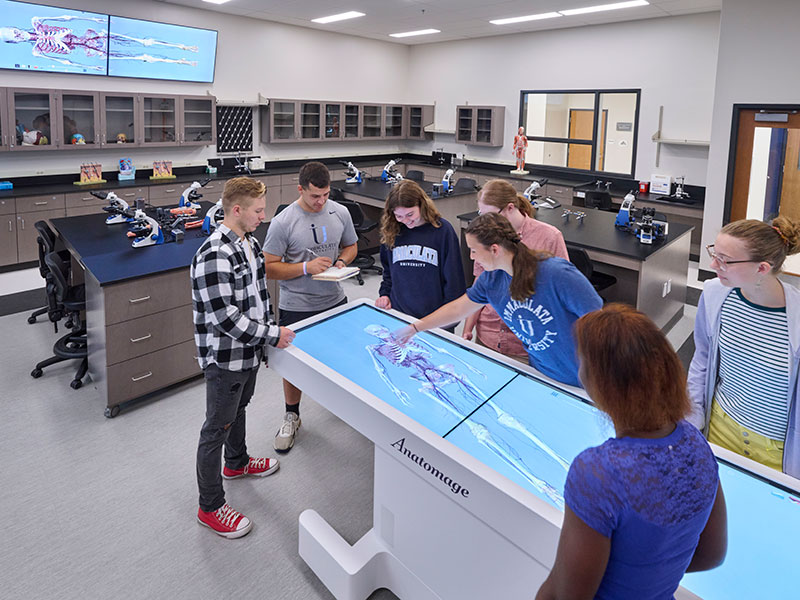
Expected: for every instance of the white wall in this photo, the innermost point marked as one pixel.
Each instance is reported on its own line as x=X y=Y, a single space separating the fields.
x=253 y=57
x=757 y=64
x=672 y=59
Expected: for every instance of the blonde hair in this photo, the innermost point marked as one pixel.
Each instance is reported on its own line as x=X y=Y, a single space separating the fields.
x=770 y=243
x=241 y=191
x=500 y=193
x=406 y=194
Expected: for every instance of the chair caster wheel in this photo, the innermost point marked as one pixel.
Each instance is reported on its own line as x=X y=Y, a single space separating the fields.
x=36 y=373
x=31 y=320
x=75 y=384
x=360 y=282
x=111 y=411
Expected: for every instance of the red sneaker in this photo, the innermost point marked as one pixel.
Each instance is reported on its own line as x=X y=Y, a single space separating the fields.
x=225 y=521
x=258 y=467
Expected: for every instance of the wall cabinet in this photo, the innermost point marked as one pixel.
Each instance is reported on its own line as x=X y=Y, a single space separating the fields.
x=352 y=121
x=64 y=118
x=417 y=118
x=480 y=125
x=371 y=121
x=394 y=121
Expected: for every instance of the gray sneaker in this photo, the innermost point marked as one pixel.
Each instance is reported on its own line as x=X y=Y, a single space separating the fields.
x=284 y=439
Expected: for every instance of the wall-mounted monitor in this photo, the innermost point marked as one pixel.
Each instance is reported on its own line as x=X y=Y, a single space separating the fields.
x=152 y=50
x=34 y=37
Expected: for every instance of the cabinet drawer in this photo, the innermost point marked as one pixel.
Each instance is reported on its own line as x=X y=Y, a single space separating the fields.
x=273 y=182
x=77 y=199
x=37 y=203
x=164 y=192
x=8 y=206
x=151 y=372
x=144 y=335
x=131 y=194
x=147 y=295
x=562 y=192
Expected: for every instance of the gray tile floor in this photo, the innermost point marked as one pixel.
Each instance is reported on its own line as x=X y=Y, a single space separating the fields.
x=104 y=508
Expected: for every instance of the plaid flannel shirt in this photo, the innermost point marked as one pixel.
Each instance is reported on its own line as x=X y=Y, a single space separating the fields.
x=221 y=299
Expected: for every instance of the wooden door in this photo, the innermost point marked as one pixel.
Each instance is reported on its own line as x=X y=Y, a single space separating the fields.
x=790 y=188
x=601 y=142
x=581 y=122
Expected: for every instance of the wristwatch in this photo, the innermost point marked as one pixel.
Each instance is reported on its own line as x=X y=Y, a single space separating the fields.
x=340 y=259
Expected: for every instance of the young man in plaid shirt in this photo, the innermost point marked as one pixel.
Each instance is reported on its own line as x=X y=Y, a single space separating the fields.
x=230 y=305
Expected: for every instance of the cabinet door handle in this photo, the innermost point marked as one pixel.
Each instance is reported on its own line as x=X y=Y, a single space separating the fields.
x=129 y=194
x=10 y=225
x=137 y=300
x=87 y=199
x=23 y=223
x=170 y=191
x=145 y=376
x=141 y=339
x=40 y=203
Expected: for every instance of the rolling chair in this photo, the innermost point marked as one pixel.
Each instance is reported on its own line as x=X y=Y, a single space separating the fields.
x=46 y=242
x=465 y=184
x=580 y=258
x=65 y=301
x=362 y=225
x=599 y=199
x=415 y=175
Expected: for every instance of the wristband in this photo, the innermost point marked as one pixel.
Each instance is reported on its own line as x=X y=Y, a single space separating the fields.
x=304 y=269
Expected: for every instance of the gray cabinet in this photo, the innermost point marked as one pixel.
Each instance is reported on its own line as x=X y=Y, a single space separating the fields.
x=480 y=125
x=29 y=210
x=6 y=131
x=158 y=120
x=352 y=122
x=332 y=129
x=310 y=121
x=197 y=120
x=417 y=118
x=78 y=119
x=279 y=124
x=32 y=111
x=394 y=121
x=371 y=121
x=8 y=232
x=119 y=119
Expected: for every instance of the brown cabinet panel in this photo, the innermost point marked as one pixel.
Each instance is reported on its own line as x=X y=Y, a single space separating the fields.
x=40 y=203
x=167 y=195
x=8 y=206
x=80 y=199
x=147 y=295
x=147 y=334
x=27 y=247
x=145 y=374
x=8 y=240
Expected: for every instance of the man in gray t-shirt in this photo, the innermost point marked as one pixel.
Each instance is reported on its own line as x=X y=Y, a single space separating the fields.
x=306 y=238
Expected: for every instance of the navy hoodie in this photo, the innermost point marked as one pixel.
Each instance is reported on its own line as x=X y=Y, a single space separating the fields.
x=423 y=271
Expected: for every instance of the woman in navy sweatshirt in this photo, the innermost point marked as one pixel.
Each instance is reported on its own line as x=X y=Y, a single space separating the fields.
x=420 y=254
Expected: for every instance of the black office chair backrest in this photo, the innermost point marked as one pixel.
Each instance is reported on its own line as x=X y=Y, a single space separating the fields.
x=59 y=271
x=357 y=214
x=598 y=199
x=280 y=208
x=415 y=175
x=465 y=184
x=581 y=260
x=46 y=240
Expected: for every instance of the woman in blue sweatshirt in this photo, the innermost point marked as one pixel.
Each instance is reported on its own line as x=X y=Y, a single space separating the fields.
x=538 y=295
x=420 y=254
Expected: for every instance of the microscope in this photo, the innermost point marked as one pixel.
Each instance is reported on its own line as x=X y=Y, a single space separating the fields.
x=390 y=174
x=353 y=173
x=447 y=181
x=191 y=194
x=648 y=229
x=116 y=206
x=145 y=230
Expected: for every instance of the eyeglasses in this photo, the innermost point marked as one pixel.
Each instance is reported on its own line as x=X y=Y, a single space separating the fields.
x=722 y=262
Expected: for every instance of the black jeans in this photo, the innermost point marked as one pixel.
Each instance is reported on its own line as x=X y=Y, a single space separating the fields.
x=227 y=395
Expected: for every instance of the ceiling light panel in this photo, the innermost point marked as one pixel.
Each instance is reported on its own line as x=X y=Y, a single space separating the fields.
x=340 y=17
x=603 y=7
x=550 y=15
x=410 y=33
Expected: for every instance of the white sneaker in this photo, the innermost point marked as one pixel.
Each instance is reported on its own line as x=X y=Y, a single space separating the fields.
x=284 y=439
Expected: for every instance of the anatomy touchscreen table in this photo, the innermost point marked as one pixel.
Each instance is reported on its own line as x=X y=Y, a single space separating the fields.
x=471 y=456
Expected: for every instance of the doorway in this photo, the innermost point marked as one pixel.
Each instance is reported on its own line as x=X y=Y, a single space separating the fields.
x=581 y=124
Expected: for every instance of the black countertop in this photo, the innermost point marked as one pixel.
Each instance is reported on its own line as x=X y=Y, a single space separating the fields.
x=378 y=190
x=597 y=232
x=106 y=252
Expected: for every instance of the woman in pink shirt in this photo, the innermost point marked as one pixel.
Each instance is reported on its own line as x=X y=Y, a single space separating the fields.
x=499 y=196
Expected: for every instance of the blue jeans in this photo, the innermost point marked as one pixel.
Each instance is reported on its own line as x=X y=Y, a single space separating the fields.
x=227 y=395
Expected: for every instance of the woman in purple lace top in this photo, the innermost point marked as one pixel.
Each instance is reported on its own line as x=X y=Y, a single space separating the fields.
x=646 y=506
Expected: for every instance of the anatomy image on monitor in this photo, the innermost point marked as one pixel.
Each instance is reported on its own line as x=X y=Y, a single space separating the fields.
x=52 y=39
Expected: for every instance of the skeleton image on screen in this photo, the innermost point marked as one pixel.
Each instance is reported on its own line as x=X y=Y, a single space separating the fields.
x=416 y=356
x=56 y=42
